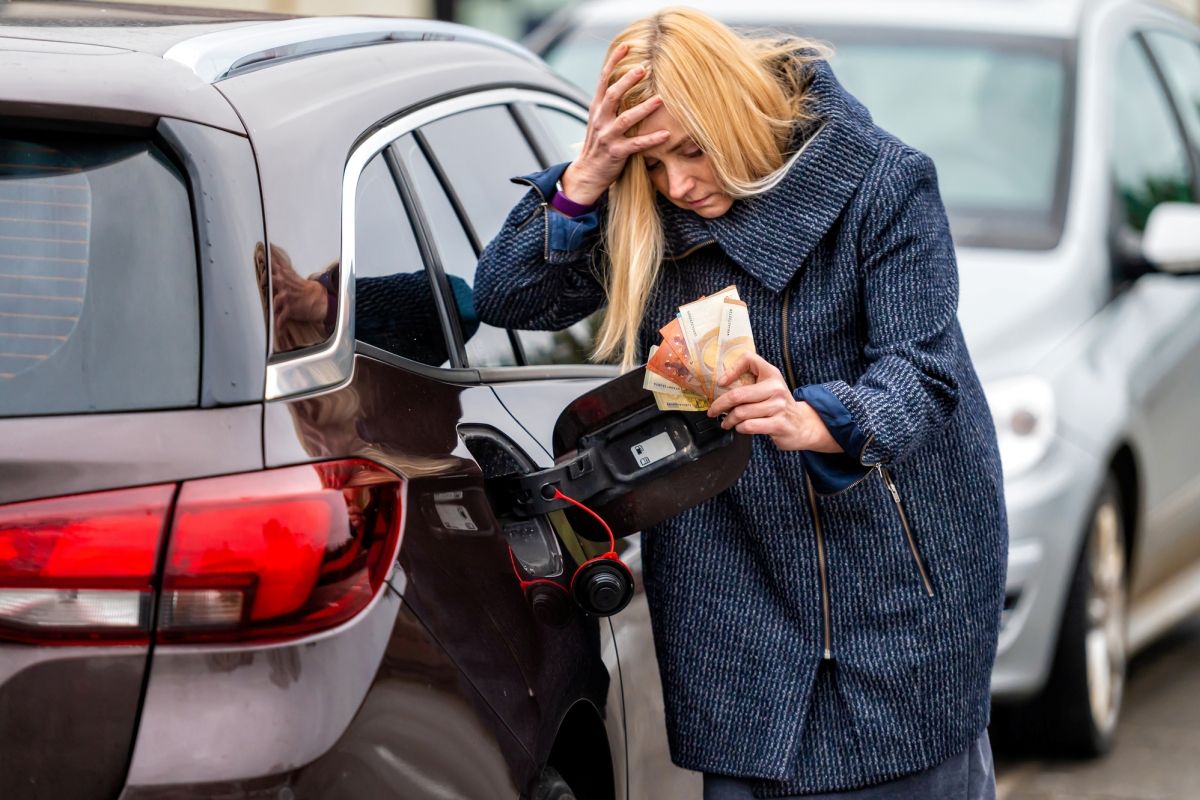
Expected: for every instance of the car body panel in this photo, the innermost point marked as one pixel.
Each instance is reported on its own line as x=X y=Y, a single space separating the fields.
x=44 y=456
x=454 y=574
x=414 y=722
x=227 y=209
x=124 y=88
x=67 y=717
x=1041 y=295
x=301 y=696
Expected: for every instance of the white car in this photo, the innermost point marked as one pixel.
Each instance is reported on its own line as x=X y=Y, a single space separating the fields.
x=1067 y=140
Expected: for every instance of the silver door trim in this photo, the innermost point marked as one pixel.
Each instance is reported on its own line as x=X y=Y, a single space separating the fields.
x=332 y=363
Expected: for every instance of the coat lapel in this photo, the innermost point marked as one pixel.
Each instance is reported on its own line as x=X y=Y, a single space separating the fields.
x=771 y=234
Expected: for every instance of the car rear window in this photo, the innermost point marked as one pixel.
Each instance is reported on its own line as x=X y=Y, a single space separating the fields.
x=98 y=288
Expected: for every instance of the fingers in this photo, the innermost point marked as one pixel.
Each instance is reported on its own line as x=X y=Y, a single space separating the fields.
x=771 y=407
x=617 y=54
x=743 y=365
x=636 y=144
x=614 y=93
x=775 y=427
x=751 y=363
x=634 y=115
x=754 y=393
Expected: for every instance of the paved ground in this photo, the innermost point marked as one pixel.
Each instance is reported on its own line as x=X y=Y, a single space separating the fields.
x=1157 y=755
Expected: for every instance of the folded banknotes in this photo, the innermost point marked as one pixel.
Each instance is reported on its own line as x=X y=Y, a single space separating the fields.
x=707 y=337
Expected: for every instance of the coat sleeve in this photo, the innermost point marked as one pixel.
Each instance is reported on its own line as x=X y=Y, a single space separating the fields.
x=913 y=344
x=539 y=273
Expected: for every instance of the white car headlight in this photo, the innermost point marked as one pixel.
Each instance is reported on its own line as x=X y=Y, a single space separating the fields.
x=1024 y=412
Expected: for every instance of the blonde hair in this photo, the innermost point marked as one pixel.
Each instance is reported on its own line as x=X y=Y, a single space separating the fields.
x=737 y=98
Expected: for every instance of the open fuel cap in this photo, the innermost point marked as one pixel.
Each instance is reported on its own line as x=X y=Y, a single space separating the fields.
x=634 y=464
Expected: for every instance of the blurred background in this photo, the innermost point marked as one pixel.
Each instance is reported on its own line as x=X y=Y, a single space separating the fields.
x=1054 y=164
x=512 y=18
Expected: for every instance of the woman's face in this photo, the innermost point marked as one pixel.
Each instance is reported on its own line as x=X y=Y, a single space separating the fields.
x=680 y=170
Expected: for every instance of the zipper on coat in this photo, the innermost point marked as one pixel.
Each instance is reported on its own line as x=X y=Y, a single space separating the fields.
x=912 y=543
x=822 y=568
x=544 y=207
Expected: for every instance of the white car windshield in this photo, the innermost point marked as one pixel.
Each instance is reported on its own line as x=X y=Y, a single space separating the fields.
x=994 y=113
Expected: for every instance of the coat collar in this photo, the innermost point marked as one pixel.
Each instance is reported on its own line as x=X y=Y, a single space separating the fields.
x=771 y=234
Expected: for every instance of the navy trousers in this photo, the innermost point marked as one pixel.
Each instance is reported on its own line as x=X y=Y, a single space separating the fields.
x=969 y=775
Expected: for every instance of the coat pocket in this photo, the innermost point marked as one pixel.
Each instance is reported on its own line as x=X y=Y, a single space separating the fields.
x=908 y=534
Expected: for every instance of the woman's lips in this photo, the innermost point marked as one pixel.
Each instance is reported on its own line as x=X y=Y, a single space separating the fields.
x=700 y=202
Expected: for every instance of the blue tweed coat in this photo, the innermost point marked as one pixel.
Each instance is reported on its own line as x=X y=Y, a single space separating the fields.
x=815 y=642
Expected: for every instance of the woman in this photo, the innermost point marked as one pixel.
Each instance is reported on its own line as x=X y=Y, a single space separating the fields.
x=828 y=624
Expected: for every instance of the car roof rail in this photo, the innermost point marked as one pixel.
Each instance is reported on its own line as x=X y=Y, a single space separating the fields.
x=223 y=54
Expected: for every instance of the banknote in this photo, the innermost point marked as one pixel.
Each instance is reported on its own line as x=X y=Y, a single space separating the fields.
x=701 y=324
x=681 y=402
x=656 y=383
x=670 y=396
x=706 y=337
x=675 y=343
x=734 y=340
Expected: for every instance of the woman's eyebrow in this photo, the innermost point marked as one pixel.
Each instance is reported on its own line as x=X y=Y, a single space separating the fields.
x=686 y=140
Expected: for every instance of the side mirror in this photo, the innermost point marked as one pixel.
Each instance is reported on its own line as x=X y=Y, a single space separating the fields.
x=1171 y=242
x=632 y=463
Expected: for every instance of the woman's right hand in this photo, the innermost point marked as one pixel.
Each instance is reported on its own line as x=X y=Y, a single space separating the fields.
x=605 y=145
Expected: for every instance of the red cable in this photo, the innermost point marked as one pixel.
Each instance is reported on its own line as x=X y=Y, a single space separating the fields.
x=612 y=540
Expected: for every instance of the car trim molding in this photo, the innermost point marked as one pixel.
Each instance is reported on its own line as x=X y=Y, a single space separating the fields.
x=224 y=54
x=331 y=363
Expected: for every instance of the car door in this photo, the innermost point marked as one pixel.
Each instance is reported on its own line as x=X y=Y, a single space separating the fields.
x=497 y=677
x=1153 y=162
x=553 y=372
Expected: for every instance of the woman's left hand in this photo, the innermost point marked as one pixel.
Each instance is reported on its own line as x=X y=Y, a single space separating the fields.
x=767 y=407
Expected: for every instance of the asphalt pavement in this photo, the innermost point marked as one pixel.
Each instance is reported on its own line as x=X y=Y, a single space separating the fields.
x=1157 y=753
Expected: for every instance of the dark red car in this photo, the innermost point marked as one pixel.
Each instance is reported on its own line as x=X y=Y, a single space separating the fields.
x=248 y=422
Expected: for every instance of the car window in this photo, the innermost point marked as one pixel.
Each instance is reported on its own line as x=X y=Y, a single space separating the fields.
x=479 y=151
x=99 y=306
x=1180 y=62
x=1150 y=164
x=991 y=113
x=566 y=130
x=573 y=345
x=394 y=306
x=487 y=346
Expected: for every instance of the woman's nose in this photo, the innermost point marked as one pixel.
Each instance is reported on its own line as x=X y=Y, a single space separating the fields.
x=679 y=184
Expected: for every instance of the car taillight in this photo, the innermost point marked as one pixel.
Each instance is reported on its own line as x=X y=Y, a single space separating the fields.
x=261 y=556
x=79 y=569
x=278 y=554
